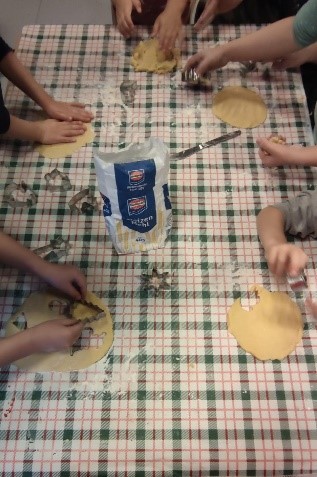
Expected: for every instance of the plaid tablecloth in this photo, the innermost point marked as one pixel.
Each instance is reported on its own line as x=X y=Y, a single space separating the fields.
x=176 y=394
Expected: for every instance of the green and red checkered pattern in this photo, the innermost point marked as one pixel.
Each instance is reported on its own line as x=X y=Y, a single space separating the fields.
x=175 y=395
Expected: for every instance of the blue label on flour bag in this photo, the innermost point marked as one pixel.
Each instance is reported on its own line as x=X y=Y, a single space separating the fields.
x=135 y=182
x=106 y=206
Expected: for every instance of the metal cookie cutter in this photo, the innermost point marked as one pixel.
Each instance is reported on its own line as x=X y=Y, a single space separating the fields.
x=298 y=283
x=89 y=319
x=192 y=78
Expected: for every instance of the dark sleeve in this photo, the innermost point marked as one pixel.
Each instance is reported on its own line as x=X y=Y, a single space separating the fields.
x=4 y=113
x=4 y=48
x=300 y=214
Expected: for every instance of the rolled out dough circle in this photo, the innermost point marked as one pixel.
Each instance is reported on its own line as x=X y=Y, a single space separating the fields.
x=147 y=56
x=271 y=329
x=59 y=151
x=36 y=310
x=239 y=107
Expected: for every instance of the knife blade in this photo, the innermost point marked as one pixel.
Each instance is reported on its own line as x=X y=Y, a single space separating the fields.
x=192 y=150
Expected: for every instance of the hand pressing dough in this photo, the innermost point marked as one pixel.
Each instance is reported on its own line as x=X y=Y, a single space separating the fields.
x=271 y=329
x=239 y=107
x=36 y=310
x=147 y=56
x=59 y=151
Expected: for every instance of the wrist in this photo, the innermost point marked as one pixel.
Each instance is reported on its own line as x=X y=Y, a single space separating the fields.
x=38 y=266
x=44 y=101
x=175 y=8
x=224 y=55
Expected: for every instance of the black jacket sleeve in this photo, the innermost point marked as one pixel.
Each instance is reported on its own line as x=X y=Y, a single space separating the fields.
x=4 y=113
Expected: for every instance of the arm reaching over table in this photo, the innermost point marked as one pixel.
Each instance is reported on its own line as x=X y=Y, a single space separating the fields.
x=49 y=336
x=67 y=119
x=270 y=43
x=54 y=335
x=298 y=217
x=279 y=36
x=282 y=257
x=274 y=155
x=66 y=278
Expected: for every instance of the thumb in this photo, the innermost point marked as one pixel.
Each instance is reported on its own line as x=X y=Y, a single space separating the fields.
x=74 y=323
x=267 y=146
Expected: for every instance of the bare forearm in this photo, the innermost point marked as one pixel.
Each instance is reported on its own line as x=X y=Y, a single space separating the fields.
x=21 y=77
x=266 y=44
x=22 y=129
x=16 y=347
x=270 y=226
x=176 y=6
x=12 y=253
x=307 y=156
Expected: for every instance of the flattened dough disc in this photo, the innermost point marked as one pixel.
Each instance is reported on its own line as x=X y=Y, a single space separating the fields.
x=36 y=309
x=59 y=151
x=147 y=56
x=271 y=329
x=239 y=107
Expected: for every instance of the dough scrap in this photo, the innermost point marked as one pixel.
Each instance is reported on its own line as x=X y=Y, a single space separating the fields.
x=59 y=151
x=36 y=309
x=147 y=56
x=271 y=329
x=239 y=107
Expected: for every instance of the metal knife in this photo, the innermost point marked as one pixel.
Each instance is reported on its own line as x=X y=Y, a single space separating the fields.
x=192 y=150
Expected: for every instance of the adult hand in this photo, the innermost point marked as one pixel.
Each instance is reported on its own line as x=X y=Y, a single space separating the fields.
x=51 y=131
x=286 y=259
x=67 y=278
x=274 y=155
x=123 y=15
x=210 y=59
x=55 y=335
x=167 y=30
x=67 y=111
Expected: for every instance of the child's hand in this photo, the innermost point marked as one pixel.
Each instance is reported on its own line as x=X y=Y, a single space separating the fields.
x=51 y=131
x=206 y=60
x=167 y=29
x=55 y=335
x=286 y=259
x=68 y=111
x=123 y=14
x=273 y=155
x=67 y=278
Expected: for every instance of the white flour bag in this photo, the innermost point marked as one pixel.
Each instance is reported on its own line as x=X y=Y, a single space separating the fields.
x=134 y=186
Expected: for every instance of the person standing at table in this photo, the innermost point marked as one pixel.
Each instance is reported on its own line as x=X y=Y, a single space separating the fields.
x=53 y=335
x=67 y=119
x=166 y=16
x=271 y=43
